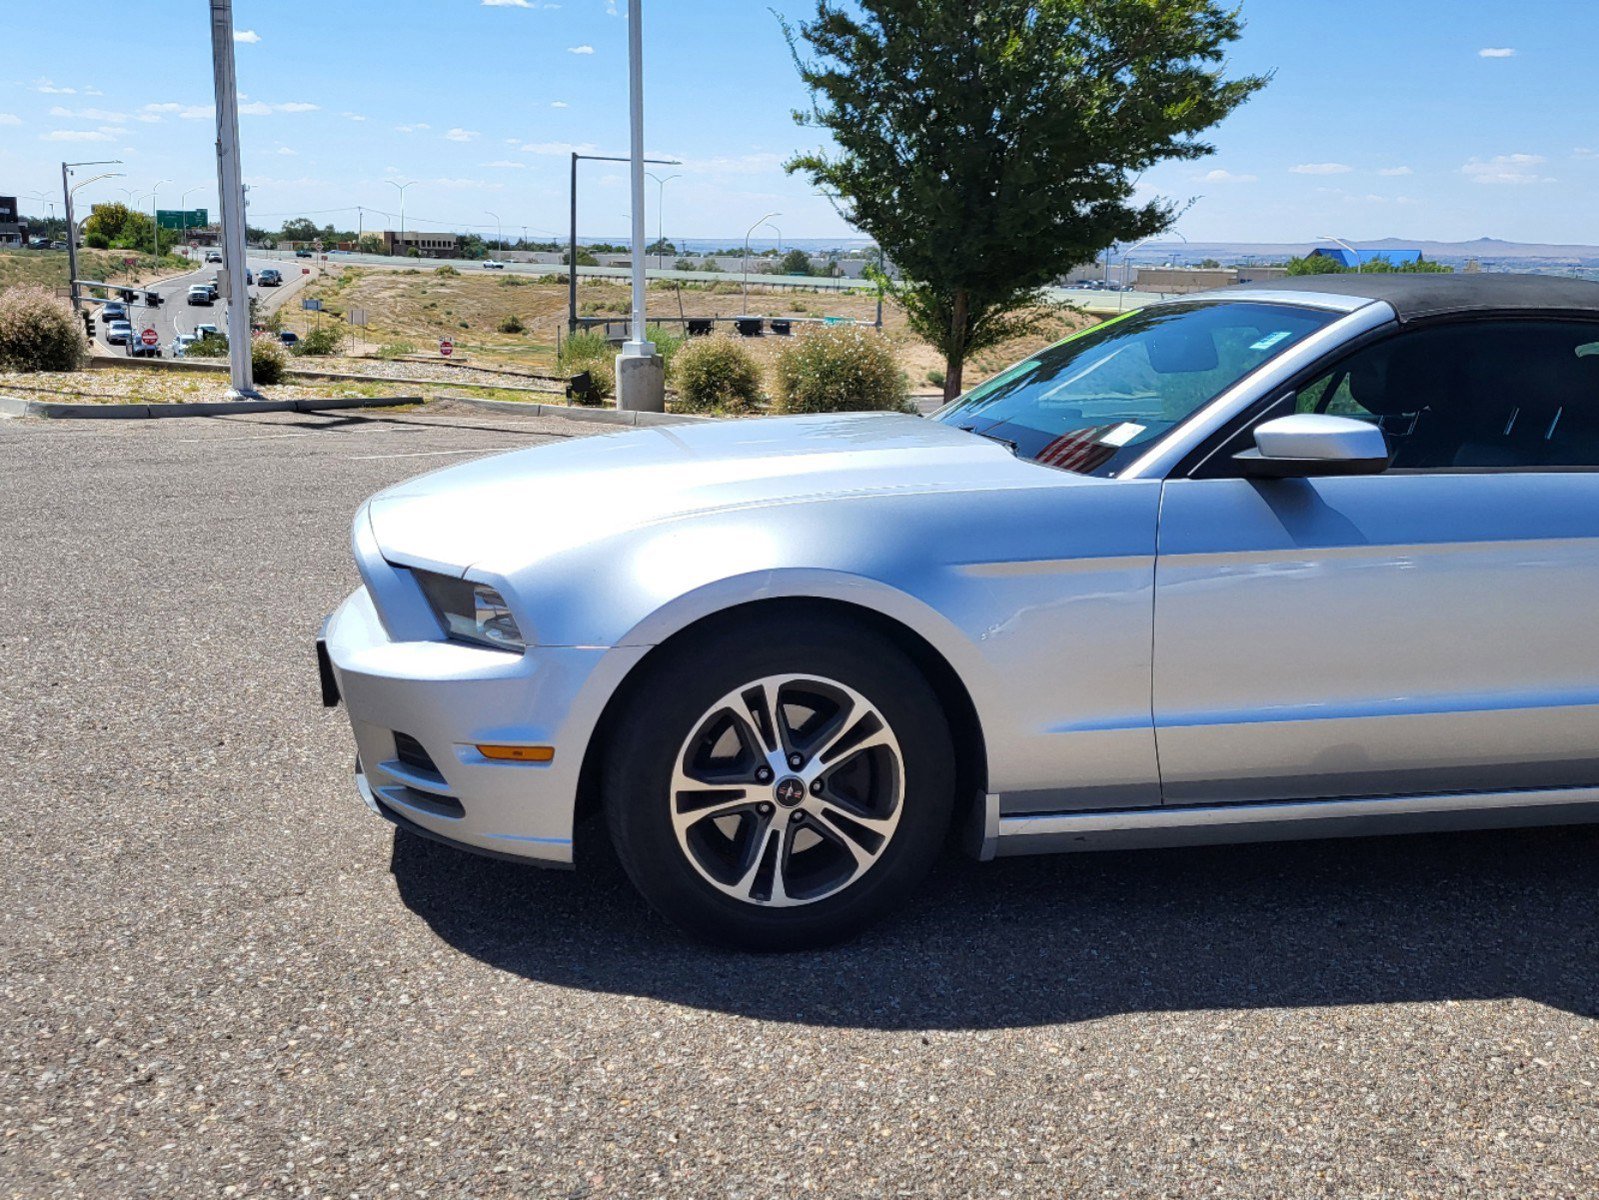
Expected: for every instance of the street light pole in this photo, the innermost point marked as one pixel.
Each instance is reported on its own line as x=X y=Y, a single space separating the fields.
x=746 y=260
x=1360 y=265
x=183 y=205
x=571 y=252
x=640 y=376
x=499 y=231
x=155 y=220
x=230 y=191
x=67 y=189
x=660 y=217
x=401 y=186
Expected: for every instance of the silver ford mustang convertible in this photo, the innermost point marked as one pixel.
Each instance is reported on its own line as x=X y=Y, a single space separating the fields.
x=1309 y=560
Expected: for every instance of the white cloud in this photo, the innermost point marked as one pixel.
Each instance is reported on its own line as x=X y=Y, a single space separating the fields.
x=10 y=119
x=248 y=36
x=1585 y=152
x=559 y=148
x=350 y=116
x=1514 y=169
x=1395 y=172
x=1321 y=169
x=92 y=91
x=258 y=108
x=506 y=164
x=188 y=112
x=1220 y=176
x=583 y=49
x=463 y=135
x=50 y=89
x=417 y=128
x=94 y=114
x=559 y=104
x=76 y=135
x=286 y=150
x=1496 y=52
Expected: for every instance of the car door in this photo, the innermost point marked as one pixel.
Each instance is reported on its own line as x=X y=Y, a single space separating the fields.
x=1430 y=629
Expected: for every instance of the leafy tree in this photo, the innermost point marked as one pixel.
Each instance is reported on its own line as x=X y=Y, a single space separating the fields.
x=661 y=246
x=795 y=262
x=1210 y=264
x=370 y=243
x=584 y=258
x=1321 y=264
x=989 y=146
x=109 y=221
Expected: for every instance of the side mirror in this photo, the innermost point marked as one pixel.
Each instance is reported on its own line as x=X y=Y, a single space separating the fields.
x=1307 y=445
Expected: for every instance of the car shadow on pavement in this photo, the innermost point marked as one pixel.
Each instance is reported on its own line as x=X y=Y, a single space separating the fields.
x=1046 y=940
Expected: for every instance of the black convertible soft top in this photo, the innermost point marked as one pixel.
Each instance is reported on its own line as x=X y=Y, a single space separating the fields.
x=1419 y=297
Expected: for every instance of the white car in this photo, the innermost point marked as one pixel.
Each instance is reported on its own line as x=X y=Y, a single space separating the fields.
x=181 y=344
x=117 y=333
x=201 y=331
x=202 y=293
x=490 y=264
x=1311 y=558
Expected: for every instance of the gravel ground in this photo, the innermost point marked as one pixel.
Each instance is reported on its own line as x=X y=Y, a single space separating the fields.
x=224 y=978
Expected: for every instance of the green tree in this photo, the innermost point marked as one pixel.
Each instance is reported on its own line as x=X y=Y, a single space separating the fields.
x=795 y=262
x=989 y=146
x=370 y=243
x=109 y=221
x=661 y=246
x=584 y=258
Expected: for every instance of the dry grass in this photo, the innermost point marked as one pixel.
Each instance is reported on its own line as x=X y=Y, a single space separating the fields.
x=134 y=385
x=421 y=307
x=49 y=268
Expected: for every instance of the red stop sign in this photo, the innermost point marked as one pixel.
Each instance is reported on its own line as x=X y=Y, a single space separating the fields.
x=446 y=347
x=149 y=337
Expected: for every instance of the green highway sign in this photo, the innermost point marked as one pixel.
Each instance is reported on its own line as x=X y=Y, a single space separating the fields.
x=178 y=218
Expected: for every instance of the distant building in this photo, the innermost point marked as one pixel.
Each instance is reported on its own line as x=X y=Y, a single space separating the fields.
x=1359 y=257
x=13 y=229
x=428 y=245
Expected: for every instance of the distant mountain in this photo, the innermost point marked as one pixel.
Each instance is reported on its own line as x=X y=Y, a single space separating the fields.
x=1487 y=250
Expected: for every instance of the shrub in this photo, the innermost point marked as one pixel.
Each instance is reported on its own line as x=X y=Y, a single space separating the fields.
x=667 y=344
x=716 y=374
x=592 y=353
x=936 y=377
x=511 y=323
x=266 y=359
x=842 y=368
x=38 y=332
x=322 y=340
x=445 y=270
x=212 y=345
x=395 y=349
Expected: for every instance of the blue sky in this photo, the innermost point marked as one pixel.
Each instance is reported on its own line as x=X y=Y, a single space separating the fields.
x=1438 y=119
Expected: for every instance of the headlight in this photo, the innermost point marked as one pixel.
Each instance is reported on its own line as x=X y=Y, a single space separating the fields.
x=472 y=612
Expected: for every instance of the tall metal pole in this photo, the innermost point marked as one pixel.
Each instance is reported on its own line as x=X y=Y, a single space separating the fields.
x=638 y=346
x=571 y=257
x=660 y=216
x=1360 y=263
x=499 y=230
x=401 y=187
x=746 y=259
x=155 y=220
x=230 y=191
x=72 y=239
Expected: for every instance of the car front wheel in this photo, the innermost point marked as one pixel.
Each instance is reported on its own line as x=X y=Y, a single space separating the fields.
x=773 y=788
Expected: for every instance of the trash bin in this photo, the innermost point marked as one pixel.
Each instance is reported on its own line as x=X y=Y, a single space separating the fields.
x=783 y=328
x=749 y=326
x=700 y=326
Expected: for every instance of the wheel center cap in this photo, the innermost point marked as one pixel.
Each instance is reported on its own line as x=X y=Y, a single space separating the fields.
x=790 y=790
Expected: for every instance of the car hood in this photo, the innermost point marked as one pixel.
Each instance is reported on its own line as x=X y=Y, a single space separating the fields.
x=502 y=512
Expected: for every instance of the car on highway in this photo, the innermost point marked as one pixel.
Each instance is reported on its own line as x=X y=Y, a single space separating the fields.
x=213 y=256
x=490 y=264
x=289 y=338
x=118 y=332
x=201 y=293
x=207 y=330
x=302 y=254
x=1313 y=558
x=137 y=348
x=271 y=277
x=113 y=310
x=181 y=343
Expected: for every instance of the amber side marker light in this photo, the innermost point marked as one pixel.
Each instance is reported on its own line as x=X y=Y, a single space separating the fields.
x=534 y=754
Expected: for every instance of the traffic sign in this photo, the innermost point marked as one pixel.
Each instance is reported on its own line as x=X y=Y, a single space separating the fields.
x=446 y=347
x=149 y=337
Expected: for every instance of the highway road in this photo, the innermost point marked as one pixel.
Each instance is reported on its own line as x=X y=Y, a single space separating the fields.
x=175 y=315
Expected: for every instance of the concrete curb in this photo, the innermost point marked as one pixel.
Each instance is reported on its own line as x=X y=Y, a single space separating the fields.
x=224 y=408
x=102 y=362
x=603 y=416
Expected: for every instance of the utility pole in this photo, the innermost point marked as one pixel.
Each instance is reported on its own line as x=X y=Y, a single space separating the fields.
x=401 y=186
x=499 y=231
x=660 y=217
x=155 y=218
x=230 y=191
x=640 y=374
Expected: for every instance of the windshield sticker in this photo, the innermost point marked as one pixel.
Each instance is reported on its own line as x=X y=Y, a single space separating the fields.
x=1271 y=339
x=1122 y=434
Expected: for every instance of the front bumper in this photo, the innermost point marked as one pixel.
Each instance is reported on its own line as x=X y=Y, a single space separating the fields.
x=450 y=698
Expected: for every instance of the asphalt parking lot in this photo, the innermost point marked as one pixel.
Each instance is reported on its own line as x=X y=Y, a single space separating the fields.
x=223 y=977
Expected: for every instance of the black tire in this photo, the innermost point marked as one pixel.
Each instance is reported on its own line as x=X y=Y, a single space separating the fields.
x=667 y=706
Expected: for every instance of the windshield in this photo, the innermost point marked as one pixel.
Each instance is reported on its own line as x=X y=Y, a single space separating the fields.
x=1096 y=401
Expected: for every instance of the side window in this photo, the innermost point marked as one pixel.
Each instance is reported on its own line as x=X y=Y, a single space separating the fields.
x=1480 y=394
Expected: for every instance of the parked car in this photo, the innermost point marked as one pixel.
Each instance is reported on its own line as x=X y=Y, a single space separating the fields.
x=1331 y=542
x=113 y=310
x=289 y=338
x=490 y=264
x=117 y=333
x=181 y=343
x=207 y=330
x=302 y=254
x=213 y=256
x=271 y=277
x=202 y=293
